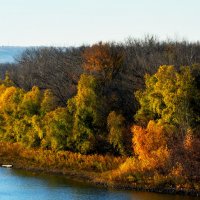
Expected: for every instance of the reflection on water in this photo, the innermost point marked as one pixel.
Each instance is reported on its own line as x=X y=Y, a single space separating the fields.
x=22 y=185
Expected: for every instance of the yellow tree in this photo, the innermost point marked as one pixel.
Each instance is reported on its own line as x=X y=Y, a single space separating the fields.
x=10 y=99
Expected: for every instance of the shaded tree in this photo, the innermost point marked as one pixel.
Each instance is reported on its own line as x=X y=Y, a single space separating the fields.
x=117 y=132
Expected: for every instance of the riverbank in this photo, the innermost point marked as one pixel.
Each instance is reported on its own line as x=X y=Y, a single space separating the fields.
x=95 y=169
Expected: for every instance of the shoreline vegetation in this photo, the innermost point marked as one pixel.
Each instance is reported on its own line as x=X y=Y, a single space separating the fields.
x=93 y=169
x=117 y=114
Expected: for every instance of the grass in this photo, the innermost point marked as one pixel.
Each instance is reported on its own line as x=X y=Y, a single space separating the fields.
x=24 y=157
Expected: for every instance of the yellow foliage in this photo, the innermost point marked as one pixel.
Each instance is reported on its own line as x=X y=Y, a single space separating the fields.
x=48 y=101
x=150 y=145
x=6 y=98
x=36 y=125
x=34 y=96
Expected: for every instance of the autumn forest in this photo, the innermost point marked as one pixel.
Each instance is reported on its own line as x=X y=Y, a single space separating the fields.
x=128 y=111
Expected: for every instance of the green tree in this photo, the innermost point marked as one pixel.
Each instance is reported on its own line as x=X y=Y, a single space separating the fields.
x=31 y=103
x=57 y=130
x=85 y=107
x=169 y=96
x=48 y=102
x=117 y=132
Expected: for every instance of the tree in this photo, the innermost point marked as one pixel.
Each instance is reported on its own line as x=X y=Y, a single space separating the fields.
x=31 y=102
x=151 y=144
x=117 y=132
x=169 y=96
x=85 y=108
x=103 y=58
x=57 y=130
x=10 y=100
x=57 y=69
x=48 y=102
x=21 y=113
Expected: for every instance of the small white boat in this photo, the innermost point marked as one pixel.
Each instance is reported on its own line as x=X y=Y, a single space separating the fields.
x=7 y=166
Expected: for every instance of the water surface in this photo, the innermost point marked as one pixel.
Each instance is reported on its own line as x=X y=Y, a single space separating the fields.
x=22 y=185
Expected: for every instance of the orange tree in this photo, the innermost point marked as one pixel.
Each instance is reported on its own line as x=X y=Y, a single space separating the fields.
x=103 y=58
x=169 y=109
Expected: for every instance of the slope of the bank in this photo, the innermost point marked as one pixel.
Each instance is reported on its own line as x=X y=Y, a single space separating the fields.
x=96 y=169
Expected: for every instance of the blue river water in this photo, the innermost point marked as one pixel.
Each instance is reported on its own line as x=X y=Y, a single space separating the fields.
x=23 y=185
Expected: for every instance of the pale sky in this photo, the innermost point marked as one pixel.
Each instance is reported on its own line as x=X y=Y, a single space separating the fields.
x=77 y=22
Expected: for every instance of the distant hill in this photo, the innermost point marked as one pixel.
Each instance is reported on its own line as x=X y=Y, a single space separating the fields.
x=8 y=54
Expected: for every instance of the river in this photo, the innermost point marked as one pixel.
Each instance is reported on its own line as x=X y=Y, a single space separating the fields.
x=23 y=185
